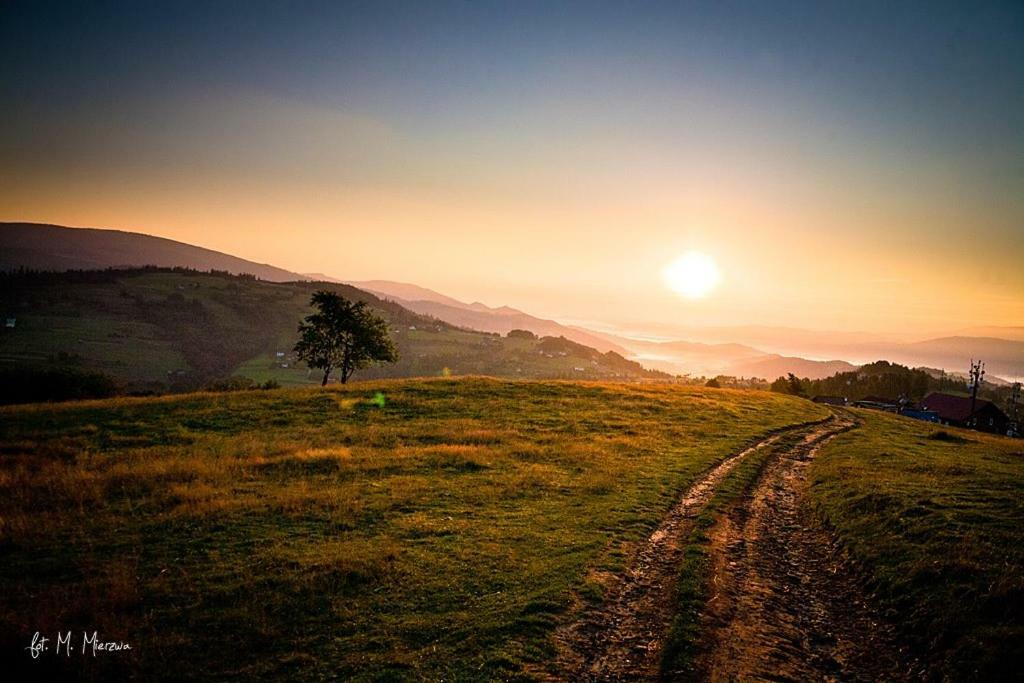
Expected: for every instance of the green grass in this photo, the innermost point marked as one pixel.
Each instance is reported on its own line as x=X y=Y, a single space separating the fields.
x=314 y=534
x=934 y=519
x=131 y=350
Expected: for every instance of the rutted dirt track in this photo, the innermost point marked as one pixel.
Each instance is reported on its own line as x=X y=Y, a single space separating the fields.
x=783 y=606
x=780 y=607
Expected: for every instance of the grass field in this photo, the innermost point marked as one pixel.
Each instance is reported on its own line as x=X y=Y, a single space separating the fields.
x=425 y=529
x=437 y=529
x=933 y=516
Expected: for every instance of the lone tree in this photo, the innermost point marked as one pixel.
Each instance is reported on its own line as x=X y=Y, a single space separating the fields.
x=343 y=335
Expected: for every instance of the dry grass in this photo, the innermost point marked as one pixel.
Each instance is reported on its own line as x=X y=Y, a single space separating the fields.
x=436 y=537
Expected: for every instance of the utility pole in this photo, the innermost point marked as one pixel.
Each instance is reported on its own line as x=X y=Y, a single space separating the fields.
x=1014 y=402
x=976 y=374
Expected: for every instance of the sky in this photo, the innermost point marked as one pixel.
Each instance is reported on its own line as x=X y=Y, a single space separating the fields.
x=848 y=166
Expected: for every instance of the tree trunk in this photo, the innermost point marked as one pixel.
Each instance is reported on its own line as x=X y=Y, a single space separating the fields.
x=327 y=373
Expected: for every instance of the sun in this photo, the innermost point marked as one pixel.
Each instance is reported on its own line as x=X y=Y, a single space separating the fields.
x=693 y=275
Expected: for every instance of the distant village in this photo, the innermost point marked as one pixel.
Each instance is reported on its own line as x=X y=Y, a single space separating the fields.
x=946 y=409
x=968 y=401
x=955 y=410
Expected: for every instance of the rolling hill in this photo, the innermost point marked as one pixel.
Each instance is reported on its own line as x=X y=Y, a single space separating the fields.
x=406 y=292
x=158 y=329
x=774 y=366
x=37 y=246
x=1013 y=333
x=478 y=316
x=1002 y=356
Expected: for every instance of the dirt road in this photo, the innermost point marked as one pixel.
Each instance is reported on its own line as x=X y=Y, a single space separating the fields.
x=781 y=607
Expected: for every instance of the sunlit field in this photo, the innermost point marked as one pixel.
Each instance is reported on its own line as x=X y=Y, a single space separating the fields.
x=428 y=529
x=932 y=516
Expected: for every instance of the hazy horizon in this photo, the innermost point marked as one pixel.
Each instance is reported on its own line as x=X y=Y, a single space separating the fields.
x=667 y=331
x=845 y=168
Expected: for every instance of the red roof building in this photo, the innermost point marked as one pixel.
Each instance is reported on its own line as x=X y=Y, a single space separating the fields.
x=956 y=411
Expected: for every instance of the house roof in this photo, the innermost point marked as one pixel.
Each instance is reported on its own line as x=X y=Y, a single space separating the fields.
x=880 y=399
x=958 y=408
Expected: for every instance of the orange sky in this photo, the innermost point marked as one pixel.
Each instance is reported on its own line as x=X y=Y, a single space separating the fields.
x=561 y=175
x=589 y=254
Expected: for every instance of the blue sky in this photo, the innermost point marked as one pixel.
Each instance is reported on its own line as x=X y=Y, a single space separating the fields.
x=514 y=129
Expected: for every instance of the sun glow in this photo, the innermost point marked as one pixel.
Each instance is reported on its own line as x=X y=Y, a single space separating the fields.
x=693 y=275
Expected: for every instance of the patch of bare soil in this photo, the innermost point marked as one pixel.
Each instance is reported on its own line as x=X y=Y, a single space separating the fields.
x=783 y=606
x=622 y=637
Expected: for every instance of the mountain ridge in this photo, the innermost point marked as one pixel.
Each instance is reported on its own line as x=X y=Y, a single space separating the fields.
x=49 y=247
x=478 y=316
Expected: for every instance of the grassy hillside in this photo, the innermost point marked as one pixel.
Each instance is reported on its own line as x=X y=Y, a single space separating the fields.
x=178 y=329
x=934 y=518
x=425 y=529
x=503 y=320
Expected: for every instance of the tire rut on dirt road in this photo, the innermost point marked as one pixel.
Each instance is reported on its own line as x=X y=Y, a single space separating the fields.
x=783 y=606
x=622 y=637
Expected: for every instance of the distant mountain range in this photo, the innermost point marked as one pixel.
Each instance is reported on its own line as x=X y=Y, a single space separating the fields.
x=761 y=351
x=748 y=351
x=478 y=316
x=994 y=331
x=774 y=365
x=38 y=246
x=1003 y=357
x=408 y=292
x=737 y=360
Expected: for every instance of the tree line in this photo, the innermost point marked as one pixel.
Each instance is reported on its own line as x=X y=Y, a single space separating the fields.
x=885 y=380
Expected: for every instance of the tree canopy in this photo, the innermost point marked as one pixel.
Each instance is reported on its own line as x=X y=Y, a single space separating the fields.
x=343 y=335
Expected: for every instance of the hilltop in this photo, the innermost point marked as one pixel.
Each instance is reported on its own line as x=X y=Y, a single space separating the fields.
x=38 y=246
